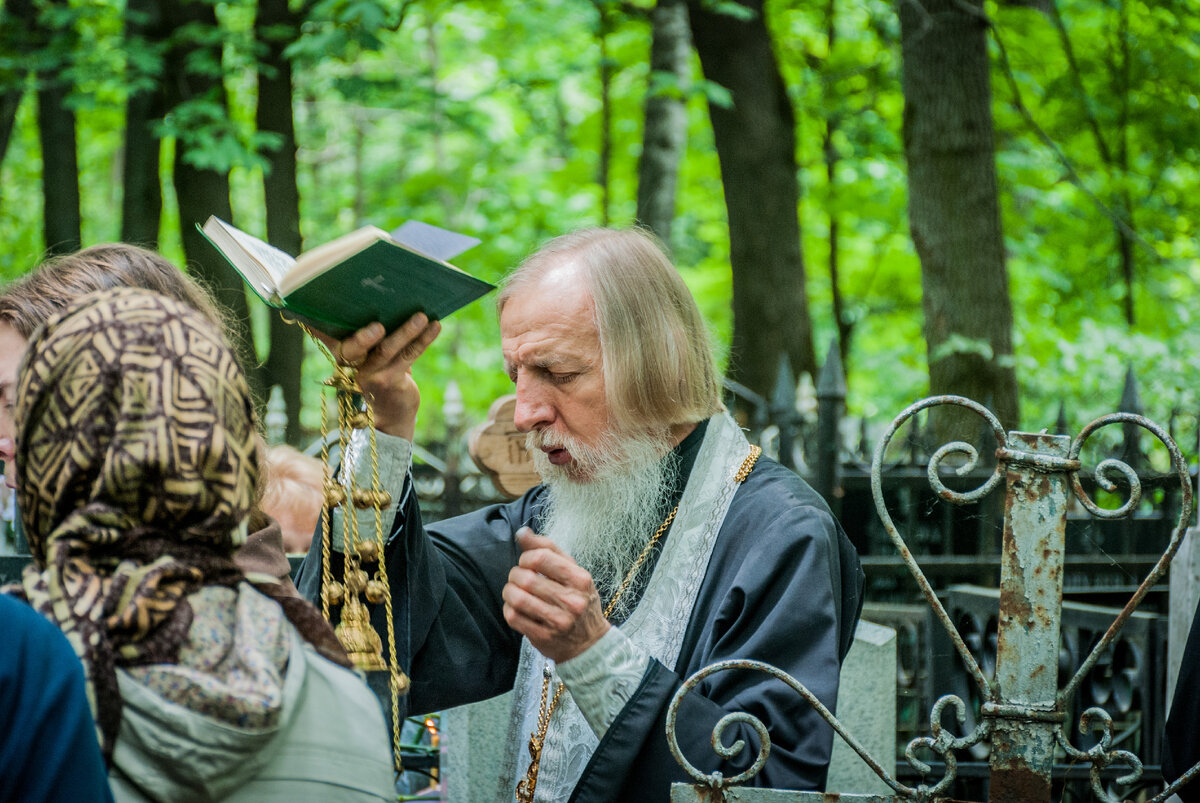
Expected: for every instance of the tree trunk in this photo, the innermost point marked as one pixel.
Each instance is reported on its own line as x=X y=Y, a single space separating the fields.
x=603 y=168
x=203 y=192
x=276 y=27
x=664 y=139
x=1125 y=205
x=756 y=147
x=953 y=206
x=16 y=21
x=141 y=202
x=828 y=146
x=10 y=101
x=61 y=219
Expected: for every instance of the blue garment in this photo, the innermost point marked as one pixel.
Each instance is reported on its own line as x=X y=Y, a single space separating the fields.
x=48 y=747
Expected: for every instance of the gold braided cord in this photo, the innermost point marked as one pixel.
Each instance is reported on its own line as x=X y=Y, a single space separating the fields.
x=637 y=564
x=354 y=630
x=326 y=519
x=399 y=681
x=349 y=519
x=527 y=785
x=537 y=740
x=748 y=464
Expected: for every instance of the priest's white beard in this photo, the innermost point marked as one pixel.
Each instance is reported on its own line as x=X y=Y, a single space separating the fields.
x=605 y=520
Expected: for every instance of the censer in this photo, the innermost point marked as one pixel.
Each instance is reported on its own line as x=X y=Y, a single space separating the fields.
x=363 y=578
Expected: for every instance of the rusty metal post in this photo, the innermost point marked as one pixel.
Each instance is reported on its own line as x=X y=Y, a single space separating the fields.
x=1031 y=583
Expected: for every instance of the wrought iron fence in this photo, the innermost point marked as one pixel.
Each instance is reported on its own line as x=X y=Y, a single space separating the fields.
x=1020 y=691
x=1104 y=561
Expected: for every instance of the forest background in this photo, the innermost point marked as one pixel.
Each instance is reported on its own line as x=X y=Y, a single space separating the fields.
x=997 y=199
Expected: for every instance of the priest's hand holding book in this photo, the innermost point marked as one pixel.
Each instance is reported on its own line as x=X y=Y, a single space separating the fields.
x=372 y=297
x=384 y=366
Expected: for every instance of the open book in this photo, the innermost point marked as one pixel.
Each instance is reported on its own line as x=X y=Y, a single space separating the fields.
x=364 y=276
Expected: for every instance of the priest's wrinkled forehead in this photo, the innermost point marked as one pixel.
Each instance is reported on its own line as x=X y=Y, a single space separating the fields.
x=658 y=363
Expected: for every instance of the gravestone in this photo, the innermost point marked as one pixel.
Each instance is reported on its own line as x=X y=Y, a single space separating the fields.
x=1184 y=594
x=867 y=709
x=499 y=450
x=472 y=748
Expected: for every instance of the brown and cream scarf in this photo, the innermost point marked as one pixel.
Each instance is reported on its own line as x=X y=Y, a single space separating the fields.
x=138 y=460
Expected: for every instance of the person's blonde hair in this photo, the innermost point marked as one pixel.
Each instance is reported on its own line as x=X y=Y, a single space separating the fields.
x=658 y=363
x=290 y=476
x=28 y=302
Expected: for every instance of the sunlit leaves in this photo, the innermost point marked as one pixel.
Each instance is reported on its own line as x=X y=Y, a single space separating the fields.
x=344 y=28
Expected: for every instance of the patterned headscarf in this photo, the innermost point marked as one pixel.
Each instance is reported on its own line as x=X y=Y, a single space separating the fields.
x=137 y=455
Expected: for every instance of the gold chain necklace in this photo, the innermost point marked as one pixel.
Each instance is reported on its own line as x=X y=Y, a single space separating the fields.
x=537 y=739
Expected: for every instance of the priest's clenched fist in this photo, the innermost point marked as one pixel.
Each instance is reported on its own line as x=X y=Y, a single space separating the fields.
x=551 y=600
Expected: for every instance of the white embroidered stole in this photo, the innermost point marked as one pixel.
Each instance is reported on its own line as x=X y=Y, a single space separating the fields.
x=656 y=625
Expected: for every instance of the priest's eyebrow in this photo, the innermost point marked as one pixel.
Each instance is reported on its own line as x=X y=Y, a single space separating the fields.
x=550 y=363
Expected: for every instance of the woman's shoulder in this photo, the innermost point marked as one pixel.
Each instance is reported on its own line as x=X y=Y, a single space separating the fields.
x=335 y=734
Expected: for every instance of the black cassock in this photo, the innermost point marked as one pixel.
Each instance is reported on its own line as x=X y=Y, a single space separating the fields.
x=1181 y=743
x=784 y=586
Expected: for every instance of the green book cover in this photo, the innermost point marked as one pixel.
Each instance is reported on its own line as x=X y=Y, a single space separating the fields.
x=384 y=281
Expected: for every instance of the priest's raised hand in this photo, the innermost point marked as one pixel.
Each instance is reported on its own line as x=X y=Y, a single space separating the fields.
x=384 y=365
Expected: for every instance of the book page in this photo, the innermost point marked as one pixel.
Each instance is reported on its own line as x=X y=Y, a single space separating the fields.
x=275 y=262
x=258 y=263
x=433 y=241
x=323 y=257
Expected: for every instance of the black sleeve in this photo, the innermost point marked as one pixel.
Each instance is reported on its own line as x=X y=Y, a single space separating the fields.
x=452 y=574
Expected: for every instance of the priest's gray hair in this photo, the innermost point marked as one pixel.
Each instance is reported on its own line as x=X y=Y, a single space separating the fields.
x=658 y=364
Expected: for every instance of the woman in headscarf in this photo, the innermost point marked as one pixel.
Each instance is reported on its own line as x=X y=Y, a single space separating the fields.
x=138 y=465
x=28 y=302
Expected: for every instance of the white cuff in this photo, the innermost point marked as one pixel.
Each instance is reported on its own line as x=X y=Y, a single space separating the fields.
x=603 y=677
x=393 y=456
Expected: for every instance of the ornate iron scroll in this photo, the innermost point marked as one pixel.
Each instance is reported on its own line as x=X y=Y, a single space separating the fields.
x=1022 y=720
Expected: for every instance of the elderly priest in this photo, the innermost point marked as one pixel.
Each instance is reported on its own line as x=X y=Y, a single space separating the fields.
x=659 y=541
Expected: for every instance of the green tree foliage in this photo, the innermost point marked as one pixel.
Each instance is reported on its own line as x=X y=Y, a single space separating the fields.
x=1135 y=80
x=486 y=117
